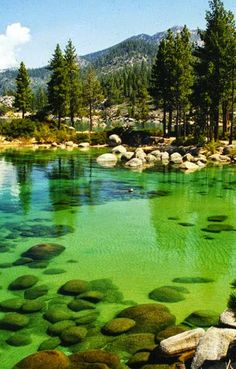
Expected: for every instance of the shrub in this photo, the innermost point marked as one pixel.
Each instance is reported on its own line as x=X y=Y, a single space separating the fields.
x=212 y=146
x=18 y=128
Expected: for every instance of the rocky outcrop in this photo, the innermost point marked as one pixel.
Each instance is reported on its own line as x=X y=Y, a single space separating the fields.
x=182 y=342
x=213 y=346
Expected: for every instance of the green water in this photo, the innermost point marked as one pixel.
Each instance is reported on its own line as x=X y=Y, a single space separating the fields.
x=113 y=233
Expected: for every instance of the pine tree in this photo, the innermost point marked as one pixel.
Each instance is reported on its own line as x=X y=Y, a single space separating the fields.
x=57 y=85
x=23 y=94
x=92 y=94
x=73 y=80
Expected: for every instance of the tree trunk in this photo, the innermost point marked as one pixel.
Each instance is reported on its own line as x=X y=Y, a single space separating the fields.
x=170 y=122
x=59 y=121
x=232 y=112
x=23 y=113
x=90 y=118
x=216 y=123
x=164 y=120
x=72 y=119
x=225 y=117
x=177 y=123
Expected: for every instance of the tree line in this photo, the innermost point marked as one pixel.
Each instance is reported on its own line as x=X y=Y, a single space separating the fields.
x=193 y=84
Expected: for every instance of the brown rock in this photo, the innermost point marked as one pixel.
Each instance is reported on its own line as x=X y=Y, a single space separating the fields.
x=44 y=360
x=96 y=356
x=118 y=326
x=44 y=251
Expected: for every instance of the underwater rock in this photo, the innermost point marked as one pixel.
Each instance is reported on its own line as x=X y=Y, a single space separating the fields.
x=182 y=342
x=138 y=359
x=228 y=318
x=35 y=292
x=73 y=287
x=118 y=326
x=49 y=344
x=56 y=314
x=202 y=318
x=23 y=282
x=19 y=339
x=72 y=335
x=107 y=160
x=150 y=318
x=166 y=294
x=22 y=261
x=78 y=305
x=134 y=163
x=86 y=317
x=217 y=218
x=44 y=251
x=176 y=158
x=132 y=343
x=57 y=328
x=53 y=271
x=14 y=321
x=96 y=356
x=169 y=332
x=13 y=304
x=51 y=359
x=186 y=224
x=192 y=280
x=217 y=228
x=32 y=306
x=92 y=296
x=213 y=345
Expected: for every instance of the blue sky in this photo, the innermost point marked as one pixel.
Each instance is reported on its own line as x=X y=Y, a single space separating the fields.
x=91 y=24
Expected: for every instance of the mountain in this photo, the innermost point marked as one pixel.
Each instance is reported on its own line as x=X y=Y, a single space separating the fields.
x=136 y=49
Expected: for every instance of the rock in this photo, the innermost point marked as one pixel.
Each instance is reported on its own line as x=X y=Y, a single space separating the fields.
x=69 y=143
x=192 y=280
x=187 y=165
x=176 y=158
x=151 y=158
x=118 y=326
x=22 y=261
x=57 y=314
x=219 y=158
x=217 y=228
x=107 y=160
x=14 y=321
x=54 y=271
x=35 y=292
x=13 y=304
x=86 y=317
x=84 y=145
x=202 y=158
x=202 y=318
x=213 y=345
x=49 y=344
x=140 y=154
x=139 y=359
x=44 y=251
x=150 y=318
x=74 y=287
x=166 y=294
x=57 y=328
x=157 y=154
x=165 y=156
x=78 y=305
x=182 y=342
x=228 y=318
x=132 y=343
x=188 y=157
x=72 y=335
x=119 y=150
x=32 y=306
x=217 y=218
x=96 y=356
x=114 y=140
x=134 y=163
x=169 y=332
x=19 y=339
x=51 y=359
x=201 y=164
x=127 y=156
x=23 y=282
x=92 y=296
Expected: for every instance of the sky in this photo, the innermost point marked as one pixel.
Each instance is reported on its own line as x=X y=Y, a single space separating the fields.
x=30 y=29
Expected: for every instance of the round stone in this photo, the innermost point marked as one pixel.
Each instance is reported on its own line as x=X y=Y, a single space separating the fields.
x=74 y=287
x=118 y=326
x=73 y=335
x=23 y=282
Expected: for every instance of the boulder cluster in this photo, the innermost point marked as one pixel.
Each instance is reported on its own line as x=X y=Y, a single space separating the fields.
x=185 y=158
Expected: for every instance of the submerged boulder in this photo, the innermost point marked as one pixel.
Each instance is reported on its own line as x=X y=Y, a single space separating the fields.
x=166 y=294
x=19 y=339
x=14 y=321
x=134 y=163
x=202 y=318
x=132 y=343
x=72 y=335
x=51 y=359
x=118 y=326
x=23 y=282
x=44 y=251
x=74 y=287
x=107 y=160
x=110 y=359
x=119 y=149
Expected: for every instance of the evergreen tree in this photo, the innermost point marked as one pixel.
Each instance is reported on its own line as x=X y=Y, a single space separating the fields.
x=143 y=105
x=57 y=85
x=73 y=80
x=92 y=94
x=40 y=99
x=23 y=94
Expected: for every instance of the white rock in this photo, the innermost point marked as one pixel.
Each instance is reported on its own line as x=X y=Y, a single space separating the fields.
x=187 y=165
x=220 y=158
x=182 y=342
x=107 y=160
x=119 y=150
x=228 y=318
x=84 y=145
x=54 y=144
x=151 y=158
x=114 y=140
x=201 y=164
x=202 y=158
x=213 y=345
x=134 y=163
x=69 y=143
x=188 y=157
x=140 y=154
x=127 y=155
x=176 y=158
x=165 y=156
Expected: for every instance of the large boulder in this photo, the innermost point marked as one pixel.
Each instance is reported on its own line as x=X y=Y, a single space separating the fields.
x=119 y=149
x=73 y=287
x=140 y=154
x=202 y=318
x=23 y=282
x=170 y=332
x=189 y=166
x=51 y=359
x=13 y=304
x=134 y=163
x=14 y=321
x=107 y=160
x=151 y=158
x=127 y=156
x=185 y=341
x=57 y=328
x=19 y=339
x=150 y=318
x=110 y=359
x=166 y=294
x=84 y=145
x=72 y=335
x=57 y=314
x=165 y=156
x=118 y=326
x=176 y=158
x=44 y=251
x=228 y=318
x=132 y=343
x=213 y=345
x=219 y=158
x=157 y=154
x=114 y=140
x=35 y=292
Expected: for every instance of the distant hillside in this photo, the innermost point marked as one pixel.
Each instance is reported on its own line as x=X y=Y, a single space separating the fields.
x=136 y=49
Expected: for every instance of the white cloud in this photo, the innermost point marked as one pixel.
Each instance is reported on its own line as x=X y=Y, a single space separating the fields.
x=15 y=36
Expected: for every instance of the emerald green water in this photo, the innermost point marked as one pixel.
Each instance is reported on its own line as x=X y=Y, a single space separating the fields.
x=125 y=236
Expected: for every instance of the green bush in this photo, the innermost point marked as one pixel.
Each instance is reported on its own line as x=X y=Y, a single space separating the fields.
x=16 y=128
